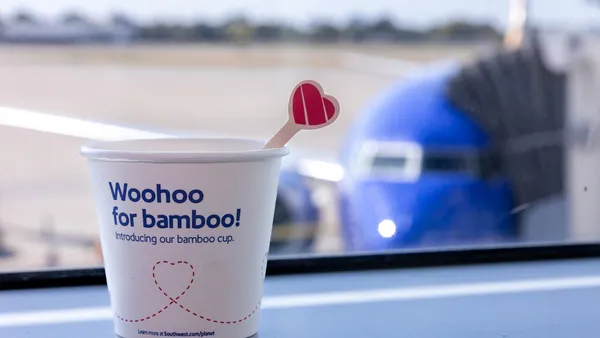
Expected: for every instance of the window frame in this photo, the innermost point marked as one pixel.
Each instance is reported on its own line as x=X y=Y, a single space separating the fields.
x=352 y=262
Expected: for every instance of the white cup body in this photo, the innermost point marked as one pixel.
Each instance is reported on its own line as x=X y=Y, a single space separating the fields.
x=185 y=233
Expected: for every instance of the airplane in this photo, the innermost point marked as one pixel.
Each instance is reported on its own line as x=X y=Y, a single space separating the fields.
x=420 y=173
x=418 y=170
x=431 y=162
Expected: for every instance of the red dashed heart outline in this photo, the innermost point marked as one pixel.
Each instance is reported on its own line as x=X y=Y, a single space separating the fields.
x=176 y=300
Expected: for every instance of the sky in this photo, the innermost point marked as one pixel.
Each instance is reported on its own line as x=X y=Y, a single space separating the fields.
x=420 y=13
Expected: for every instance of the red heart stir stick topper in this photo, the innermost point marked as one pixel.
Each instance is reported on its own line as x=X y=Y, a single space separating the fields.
x=309 y=108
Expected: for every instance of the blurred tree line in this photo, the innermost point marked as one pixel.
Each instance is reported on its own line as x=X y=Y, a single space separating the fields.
x=242 y=30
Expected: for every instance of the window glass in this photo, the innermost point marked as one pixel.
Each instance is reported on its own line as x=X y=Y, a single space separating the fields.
x=416 y=80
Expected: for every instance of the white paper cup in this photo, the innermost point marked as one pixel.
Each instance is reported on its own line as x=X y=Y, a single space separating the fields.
x=185 y=228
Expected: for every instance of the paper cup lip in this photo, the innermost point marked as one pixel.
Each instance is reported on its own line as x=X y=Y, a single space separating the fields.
x=181 y=150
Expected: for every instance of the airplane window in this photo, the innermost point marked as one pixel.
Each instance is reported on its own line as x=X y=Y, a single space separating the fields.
x=411 y=77
x=389 y=163
x=490 y=164
x=431 y=162
x=446 y=163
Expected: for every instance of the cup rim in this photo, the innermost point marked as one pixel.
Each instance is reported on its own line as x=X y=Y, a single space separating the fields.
x=132 y=150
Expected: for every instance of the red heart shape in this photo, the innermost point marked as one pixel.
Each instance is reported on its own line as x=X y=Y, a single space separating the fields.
x=187 y=286
x=187 y=282
x=310 y=107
